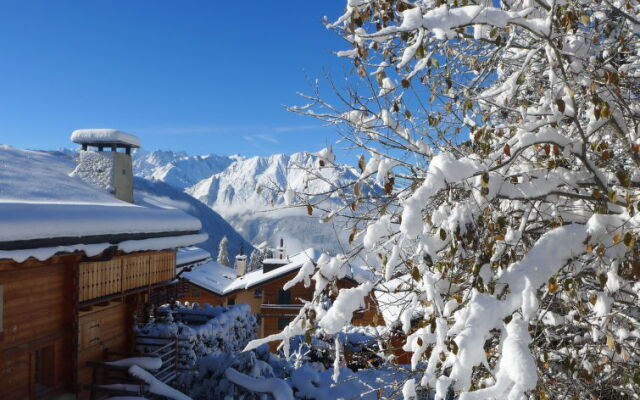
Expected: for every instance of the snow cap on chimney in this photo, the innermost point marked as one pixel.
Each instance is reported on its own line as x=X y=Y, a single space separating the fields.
x=111 y=170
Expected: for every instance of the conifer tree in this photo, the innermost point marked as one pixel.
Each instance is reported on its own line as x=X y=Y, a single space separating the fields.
x=223 y=252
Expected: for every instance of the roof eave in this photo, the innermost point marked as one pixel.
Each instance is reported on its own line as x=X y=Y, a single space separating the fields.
x=36 y=243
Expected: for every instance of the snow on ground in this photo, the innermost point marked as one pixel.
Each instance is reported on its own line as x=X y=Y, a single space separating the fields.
x=127 y=398
x=148 y=363
x=274 y=386
x=155 y=386
x=367 y=384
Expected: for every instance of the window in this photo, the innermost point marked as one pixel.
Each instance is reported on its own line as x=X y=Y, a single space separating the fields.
x=282 y=323
x=195 y=291
x=231 y=301
x=257 y=293
x=284 y=297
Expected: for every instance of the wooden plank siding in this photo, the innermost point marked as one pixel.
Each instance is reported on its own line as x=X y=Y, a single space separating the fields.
x=122 y=273
x=46 y=339
x=195 y=294
x=101 y=328
x=38 y=322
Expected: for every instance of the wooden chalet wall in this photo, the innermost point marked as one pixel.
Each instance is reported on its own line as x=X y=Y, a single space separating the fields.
x=195 y=294
x=111 y=292
x=37 y=337
x=102 y=327
x=61 y=313
x=272 y=312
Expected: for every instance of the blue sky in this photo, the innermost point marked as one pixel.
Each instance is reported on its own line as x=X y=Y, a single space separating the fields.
x=194 y=75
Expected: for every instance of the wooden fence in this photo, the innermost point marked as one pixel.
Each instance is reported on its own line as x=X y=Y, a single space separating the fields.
x=103 y=278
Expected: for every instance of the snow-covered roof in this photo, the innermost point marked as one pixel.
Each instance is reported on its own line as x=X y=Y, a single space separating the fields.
x=42 y=207
x=211 y=276
x=276 y=261
x=31 y=221
x=224 y=280
x=191 y=255
x=104 y=136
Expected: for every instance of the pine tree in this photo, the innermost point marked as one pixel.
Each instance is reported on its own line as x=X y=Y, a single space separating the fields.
x=223 y=252
x=255 y=260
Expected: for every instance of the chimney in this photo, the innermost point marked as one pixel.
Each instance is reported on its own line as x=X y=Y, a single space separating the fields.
x=280 y=251
x=241 y=263
x=111 y=169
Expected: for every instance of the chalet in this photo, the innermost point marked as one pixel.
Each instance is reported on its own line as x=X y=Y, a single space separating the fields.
x=262 y=289
x=79 y=264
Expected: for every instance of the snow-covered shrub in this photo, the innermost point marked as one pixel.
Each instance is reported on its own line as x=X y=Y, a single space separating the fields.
x=212 y=383
x=362 y=348
x=504 y=140
x=204 y=330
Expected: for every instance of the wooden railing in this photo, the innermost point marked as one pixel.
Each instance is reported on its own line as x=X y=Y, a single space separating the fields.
x=122 y=273
x=173 y=351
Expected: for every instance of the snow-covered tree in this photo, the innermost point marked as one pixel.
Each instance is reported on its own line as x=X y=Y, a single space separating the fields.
x=502 y=140
x=255 y=260
x=223 y=252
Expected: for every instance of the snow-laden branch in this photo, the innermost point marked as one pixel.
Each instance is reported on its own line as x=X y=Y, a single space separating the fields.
x=278 y=388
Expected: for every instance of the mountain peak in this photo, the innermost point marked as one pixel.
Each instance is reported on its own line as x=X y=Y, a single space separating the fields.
x=246 y=191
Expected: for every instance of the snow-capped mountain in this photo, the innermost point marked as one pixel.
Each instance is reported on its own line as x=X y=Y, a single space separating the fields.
x=159 y=194
x=253 y=183
x=247 y=193
x=178 y=169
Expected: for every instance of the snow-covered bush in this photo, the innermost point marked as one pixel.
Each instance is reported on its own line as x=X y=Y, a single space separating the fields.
x=504 y=140
x=361 y=347
x=212 y=382
x=204 y=330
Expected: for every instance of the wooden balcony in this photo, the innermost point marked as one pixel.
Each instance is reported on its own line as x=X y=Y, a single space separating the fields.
x=280 y=310
x=99 y=279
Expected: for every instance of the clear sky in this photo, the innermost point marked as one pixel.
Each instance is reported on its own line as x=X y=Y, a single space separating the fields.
x=204 y=76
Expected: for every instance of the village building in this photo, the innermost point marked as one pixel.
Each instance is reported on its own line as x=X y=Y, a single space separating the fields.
x=264 y=289
x=78 y=266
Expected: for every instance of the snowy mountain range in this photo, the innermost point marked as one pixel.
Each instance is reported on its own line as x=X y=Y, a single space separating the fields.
x=247 y=192
x=159 y=194
x=178 y=169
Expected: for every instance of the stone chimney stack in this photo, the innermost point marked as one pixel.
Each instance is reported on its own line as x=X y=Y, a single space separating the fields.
x=241 y=263
x=112 y=169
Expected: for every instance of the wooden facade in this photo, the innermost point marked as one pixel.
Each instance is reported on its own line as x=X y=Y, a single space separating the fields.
x=275 y=307
x=60 y=313
x=36 y=341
